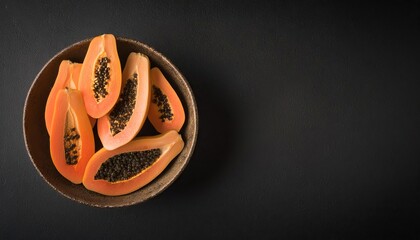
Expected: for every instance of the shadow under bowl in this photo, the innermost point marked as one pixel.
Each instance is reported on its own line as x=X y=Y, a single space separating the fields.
x=37 y=138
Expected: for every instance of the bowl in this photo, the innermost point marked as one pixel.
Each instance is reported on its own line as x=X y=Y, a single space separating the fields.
x=37 y=138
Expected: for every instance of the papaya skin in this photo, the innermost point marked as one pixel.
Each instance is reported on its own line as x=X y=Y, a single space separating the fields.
x=170 y=144
x=178 y=118
x=69 y=111
x=68 y=76
x=100 y=47
x=138 y=64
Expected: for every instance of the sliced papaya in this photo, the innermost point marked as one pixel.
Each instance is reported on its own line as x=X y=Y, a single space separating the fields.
x=100 y=76
x=124 y=121
x=166 y=111
x=67 y=77
x=71 y=140
x=74 y=80
x=132 y=166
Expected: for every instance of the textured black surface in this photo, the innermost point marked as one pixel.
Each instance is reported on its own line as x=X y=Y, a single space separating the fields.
x=309 y=119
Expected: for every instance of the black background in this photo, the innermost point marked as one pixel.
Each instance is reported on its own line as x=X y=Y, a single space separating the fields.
x=309 y=119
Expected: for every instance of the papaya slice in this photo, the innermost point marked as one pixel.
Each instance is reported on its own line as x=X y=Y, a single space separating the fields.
x=125 y=120
x=166 y=111
x=74 y=83
x=71 y=140
x=67 y=77
x=132 y=166
x=100 y=76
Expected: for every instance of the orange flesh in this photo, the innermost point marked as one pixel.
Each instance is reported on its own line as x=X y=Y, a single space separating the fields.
x=158 y=80
x=74 y=82
x=69 y=112
x=100 y=47
x=74 y=79
x=68 y=76
x=136 y=64
x=169 y=143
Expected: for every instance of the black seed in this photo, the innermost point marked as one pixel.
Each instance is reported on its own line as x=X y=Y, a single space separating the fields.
x=123 y=109
x=70 y=146
x=126 y=165
x=161 y=100
x=101 y=78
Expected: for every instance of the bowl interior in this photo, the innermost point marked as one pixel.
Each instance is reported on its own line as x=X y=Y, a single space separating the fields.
x=37 y=139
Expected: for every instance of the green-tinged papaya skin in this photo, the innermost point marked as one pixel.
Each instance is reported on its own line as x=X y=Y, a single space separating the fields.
x=71 y=140
x=100 y=76
x=125 y=120
x=165 y=111
x=132 y=166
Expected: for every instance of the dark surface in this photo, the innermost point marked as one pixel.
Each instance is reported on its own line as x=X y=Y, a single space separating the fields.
x=309 y=119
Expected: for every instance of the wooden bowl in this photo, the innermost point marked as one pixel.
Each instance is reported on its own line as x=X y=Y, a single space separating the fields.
x=37 y=139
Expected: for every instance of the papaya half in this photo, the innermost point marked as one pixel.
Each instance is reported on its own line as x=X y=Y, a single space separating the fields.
x=67 y=77
x=132 y=166
x=71 y=141
x=100 y=76
x=165 y=111
x=124 y=121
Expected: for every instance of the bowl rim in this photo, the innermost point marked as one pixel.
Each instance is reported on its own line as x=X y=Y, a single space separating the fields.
x=190 y=150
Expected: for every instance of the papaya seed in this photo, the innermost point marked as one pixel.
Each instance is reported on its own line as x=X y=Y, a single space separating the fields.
x=121 y=113
x=161 y=100
x=126 y=165
x=101 y=79
x=70 y=146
